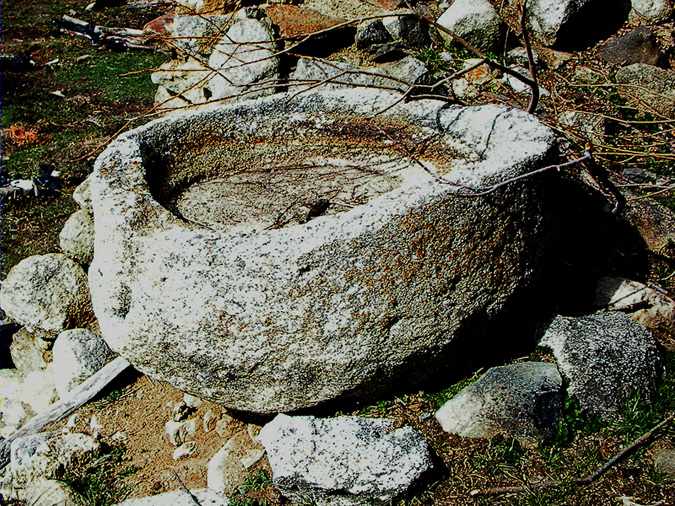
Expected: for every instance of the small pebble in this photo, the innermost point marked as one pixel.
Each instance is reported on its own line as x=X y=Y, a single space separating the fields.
x=192 y=401
x=251 y=458
x=185 y=450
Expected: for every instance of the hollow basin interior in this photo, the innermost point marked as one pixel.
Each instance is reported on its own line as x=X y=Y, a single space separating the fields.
x=251 y=182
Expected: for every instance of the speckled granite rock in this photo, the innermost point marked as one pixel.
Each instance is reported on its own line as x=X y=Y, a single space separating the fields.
x=344 y=460
x=82 y=194
x=44 y=455
x=235 y=277
x=637 y=46
x=476 y=21
x=47 y=292
x=651 y=11
x=403 y=74
x=648 y=88
x=78 y=354
x=77 y=237
x=205 y=497
x=606 y=359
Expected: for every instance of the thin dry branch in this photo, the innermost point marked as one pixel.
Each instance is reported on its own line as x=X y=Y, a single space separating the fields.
x=532 y=83
x=586 y=480
x=534 y=99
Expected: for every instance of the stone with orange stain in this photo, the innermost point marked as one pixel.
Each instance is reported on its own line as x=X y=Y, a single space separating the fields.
x=480 y=74
x=159 y=27
x=295 y=21
x=390 y=5
x=206 y=6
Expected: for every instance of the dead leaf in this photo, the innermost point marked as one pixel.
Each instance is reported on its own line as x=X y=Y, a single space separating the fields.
x=21 y=136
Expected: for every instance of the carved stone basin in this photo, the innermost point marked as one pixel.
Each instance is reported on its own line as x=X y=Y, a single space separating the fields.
x=275 y=254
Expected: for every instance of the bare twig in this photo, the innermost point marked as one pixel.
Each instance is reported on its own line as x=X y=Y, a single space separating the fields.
x=477 y=52
x=534 y=99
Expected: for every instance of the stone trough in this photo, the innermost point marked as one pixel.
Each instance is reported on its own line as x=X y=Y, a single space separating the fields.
x=278 y=253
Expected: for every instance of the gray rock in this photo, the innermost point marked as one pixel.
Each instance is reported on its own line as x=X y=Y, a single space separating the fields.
x=664 y=463
x=520 y=400
x=44 y=455
x=181 y=84
x=476 y=21
x=251 y=457
x=639 y=175
x=194 y=35
x=407 y=28
x=648 y=88
x=584 y=126
x=251 y=301
x=344 y=460
x=388 y=52
x=30 y=351
x=637 y=46
x=38 y=390
x=344 y=75
x=370 y=33
x=242 y=59
x=519 y=86
x=409 y=69
x=13 y=412
x=651 y=11
x=518 y=56
x=78 y=353
x=77 y=237
x=52 y=493
x=205 y=497
x=24 y=396
x=573 y=22
x=46 y=292
x=192 y=402
x=82 y=194
x=180 y=432
x=237 y=62
x=606 y=359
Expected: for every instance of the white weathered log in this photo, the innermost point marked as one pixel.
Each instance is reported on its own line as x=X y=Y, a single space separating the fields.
x=82 y=394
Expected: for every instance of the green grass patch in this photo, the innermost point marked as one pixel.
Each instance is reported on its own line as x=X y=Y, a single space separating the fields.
x=433 y=60
x=255 y=482
x=572 y=422
x=379 y=409
x=104 y=73
x=501 y=453
x=102 y=482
